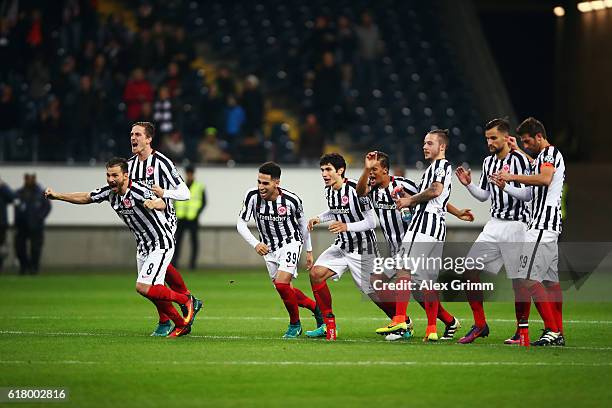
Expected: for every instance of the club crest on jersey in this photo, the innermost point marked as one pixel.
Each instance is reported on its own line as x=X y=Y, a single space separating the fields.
x=506 y=167
x=440 y=171
x=150 y=170
x=127 y=203
x=345 y=200
x=282 y=210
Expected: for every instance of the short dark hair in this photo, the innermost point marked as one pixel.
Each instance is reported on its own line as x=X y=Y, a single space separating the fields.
x=442 y=135
x=335 y=159
x=148 y=127
x=532 y=127
x=501 y=124
x=383 y=159
x=118 y=161
x=270 y=168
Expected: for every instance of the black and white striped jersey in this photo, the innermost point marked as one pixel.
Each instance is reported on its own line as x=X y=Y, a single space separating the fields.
x=347 y=207
x=157 y=169
x=546 y=201
x=390 y=219
x=151 y=228
x=277 y=221
x=503 y=205
x=430 y=216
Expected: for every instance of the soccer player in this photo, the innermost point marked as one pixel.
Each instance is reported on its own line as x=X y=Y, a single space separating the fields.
x=377 y=184
x=159 y=174
x=283 y=231
x=539 y=276
x=424 y=240
x=355 y=245
x=499 y=244
x=146 y=216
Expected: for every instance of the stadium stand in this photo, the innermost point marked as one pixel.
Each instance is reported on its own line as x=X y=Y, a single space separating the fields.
x=371 y=74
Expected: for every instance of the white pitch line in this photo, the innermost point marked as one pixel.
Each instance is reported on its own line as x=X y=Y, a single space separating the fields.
x=247 y=318
x=214 y=337
x=326 y=363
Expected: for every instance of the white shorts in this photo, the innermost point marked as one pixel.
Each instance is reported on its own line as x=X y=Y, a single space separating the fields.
x=360 y=265
x=540 y=256
x=500 y=244
x=424 y=254
x=152 y=267
x=284 y=259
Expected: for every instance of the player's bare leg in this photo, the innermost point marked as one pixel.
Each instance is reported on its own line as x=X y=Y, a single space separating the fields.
x=318 y=281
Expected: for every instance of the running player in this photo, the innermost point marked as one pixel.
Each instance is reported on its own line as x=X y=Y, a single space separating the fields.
x=499 y=244
x=424 y=241
x=355 y=245
x=283 y=230
x=145 y=215
x=539 y=276
x=376 y=183
x=159 y=174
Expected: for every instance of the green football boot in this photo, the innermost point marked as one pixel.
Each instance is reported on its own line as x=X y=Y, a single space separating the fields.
x=293 y=331
x=163 y=329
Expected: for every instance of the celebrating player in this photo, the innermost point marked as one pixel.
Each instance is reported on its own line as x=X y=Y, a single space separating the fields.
x=159 y=174
x=146 y=217
x=376 y=183
x=499 y=243
x=424 y=240
x=355 y=245
x=283 y=231
x=539 y=276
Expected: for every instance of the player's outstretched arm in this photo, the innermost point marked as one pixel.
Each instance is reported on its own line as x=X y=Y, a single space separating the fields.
x=543 y=179
x=430 y=193
x=465 y=177
x=464 y=215
x=73 y=198
x=363 y=187
x=181 y=193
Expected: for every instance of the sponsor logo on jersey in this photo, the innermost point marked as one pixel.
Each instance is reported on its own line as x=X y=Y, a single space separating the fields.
x=274 y=218
x=340 y=210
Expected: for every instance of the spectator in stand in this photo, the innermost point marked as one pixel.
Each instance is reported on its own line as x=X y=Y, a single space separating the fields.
x=234 y=120
x=369 y=51
x=173 y=79
x=10 y=122
x=322 y=40
x=225 y=83
x=84 y=112
x=6 y=197
x=174 y=147
x=312 y=141
x=253 y=103
x=52 y=132
x=180 y=48
x=38 y=77
x=347 y=44
x=143 y=52
x=213 y=108
x=163 y=111
x=209 y=149
x=137 y=91
x=327 y=90
x=67 y=81
x=31 y=209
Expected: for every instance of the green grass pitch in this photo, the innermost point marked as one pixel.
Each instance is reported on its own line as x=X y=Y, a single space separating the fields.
x=90 y=333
